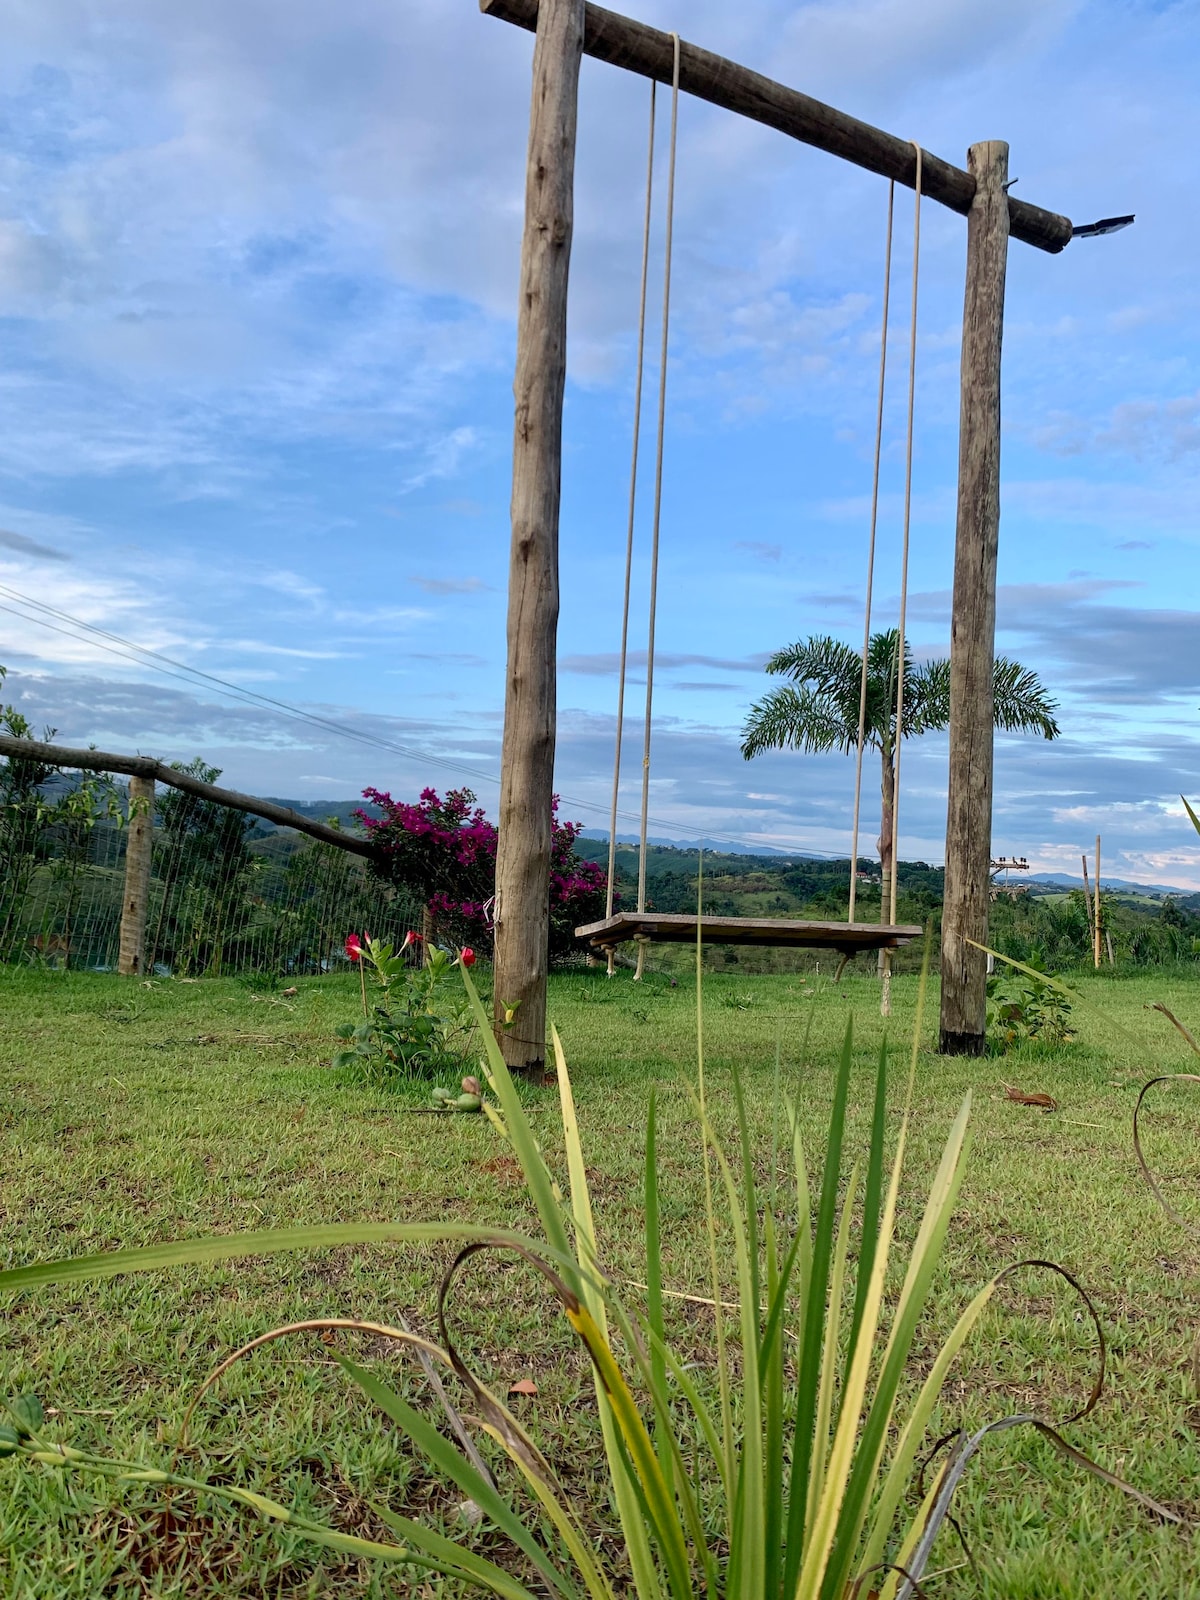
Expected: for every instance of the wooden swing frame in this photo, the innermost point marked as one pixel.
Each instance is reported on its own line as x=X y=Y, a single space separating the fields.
x=565 y=30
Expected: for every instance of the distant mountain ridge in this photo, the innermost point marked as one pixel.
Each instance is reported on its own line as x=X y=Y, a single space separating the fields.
x=344 y=811
x=1064 y=880
x=724 y=847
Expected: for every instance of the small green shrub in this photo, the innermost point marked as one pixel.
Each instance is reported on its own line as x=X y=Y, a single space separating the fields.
x=1025 y=1007
x=420 y=1021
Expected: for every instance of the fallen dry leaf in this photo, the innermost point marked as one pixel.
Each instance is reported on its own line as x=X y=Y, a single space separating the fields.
x=1044 y=1101
x=290 y=992
x=523 y=1386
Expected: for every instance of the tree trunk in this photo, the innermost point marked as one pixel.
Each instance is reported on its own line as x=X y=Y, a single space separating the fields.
x=139 y=839
x=522 y=913
x=973 y=622
x=887 y=912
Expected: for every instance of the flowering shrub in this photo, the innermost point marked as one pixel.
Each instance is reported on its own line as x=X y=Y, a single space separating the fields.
x=420 y=1021
x=444 y=851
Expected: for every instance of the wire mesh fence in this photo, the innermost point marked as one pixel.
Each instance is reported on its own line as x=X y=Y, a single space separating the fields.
x=225 y=897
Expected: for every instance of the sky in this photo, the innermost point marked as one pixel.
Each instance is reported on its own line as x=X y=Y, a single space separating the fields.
x=258 y=290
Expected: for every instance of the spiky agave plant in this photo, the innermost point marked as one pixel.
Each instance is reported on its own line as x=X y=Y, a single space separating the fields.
x=787 y=1481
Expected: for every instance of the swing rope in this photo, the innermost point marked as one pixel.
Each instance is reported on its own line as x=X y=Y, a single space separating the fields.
x=862 y=688
x=658 y=476
x=908 y=465
x=633 y=472
x=643 y=939
x=658 y=486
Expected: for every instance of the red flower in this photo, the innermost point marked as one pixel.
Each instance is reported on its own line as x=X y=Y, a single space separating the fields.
x=410 y=938
x=467 y=957
x=354 y=947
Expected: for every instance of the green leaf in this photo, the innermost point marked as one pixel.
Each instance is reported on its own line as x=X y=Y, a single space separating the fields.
x=27 y=1412
x=236 y=1246
x=443 y=1555
x=443 y=1456
x=812 y=1338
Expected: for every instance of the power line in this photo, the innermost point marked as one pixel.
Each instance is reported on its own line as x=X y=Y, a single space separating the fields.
x=142 y=655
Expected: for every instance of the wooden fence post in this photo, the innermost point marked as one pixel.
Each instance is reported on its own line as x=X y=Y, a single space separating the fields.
x=135 y=903
x=973 y=625
x=527 y=761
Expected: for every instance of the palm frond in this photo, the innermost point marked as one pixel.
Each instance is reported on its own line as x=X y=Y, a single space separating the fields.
x=1022 y=704
x=823 y=661
x=820 y=710
x=796 y=719
x=927 y=698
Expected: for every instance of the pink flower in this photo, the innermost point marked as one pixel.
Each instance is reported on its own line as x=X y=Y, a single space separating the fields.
x=410 y=938
x=354 y=947
x=467 y=957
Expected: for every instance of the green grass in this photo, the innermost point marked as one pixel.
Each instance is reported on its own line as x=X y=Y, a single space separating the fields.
x=130 y=1114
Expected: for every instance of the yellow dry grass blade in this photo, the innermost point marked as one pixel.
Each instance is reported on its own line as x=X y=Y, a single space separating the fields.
x=629 y=1512
x=657 y=1493
x=841 y=1456
x=829 y=1353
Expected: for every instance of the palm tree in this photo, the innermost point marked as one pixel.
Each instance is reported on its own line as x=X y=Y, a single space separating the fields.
x=818 y=710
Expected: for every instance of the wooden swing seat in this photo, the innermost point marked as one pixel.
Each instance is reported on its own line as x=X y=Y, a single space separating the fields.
x=847 y=938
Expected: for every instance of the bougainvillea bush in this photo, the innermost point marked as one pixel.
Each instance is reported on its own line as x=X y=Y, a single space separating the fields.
x=444 y=852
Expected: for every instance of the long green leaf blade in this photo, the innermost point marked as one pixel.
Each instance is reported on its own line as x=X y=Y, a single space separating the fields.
x=449 y=1461
x=236 y=1246
x=808 y=1376
x=628 y=1503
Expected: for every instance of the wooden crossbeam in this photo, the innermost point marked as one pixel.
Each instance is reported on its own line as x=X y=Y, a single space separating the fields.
x=621 y=41
x=57 y=755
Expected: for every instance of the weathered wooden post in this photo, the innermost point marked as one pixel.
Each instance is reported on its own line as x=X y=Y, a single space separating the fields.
x=139 y=840
x=527 y=761
x=973 y=625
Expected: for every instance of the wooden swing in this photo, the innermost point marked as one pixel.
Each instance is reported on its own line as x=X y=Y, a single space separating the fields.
x=848 y=938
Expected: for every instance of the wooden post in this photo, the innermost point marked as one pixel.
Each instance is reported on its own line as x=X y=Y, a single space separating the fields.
x=973 y=624
x=1087 y=900
x=135 y=903
x=1096 y=944
x=527 y=761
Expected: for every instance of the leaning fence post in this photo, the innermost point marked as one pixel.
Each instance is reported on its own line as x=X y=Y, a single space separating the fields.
x=135 y=902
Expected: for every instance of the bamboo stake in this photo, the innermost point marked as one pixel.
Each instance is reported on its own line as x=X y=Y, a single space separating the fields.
x=1096 y=945
x=1087 y=899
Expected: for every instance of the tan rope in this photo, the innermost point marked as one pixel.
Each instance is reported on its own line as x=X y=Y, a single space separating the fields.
x=885 y=1003
x=862 y=688
x=633 y=471
x=908 y=460
x=658 y=476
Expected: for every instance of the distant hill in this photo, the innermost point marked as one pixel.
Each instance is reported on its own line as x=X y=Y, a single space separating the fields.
x=322 y=810
x=1063 y=880
x=723 y=847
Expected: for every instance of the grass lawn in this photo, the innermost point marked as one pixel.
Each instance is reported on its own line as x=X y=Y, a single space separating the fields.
x=131 y=1113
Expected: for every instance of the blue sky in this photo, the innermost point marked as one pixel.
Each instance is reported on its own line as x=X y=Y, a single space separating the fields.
x=257 y=283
